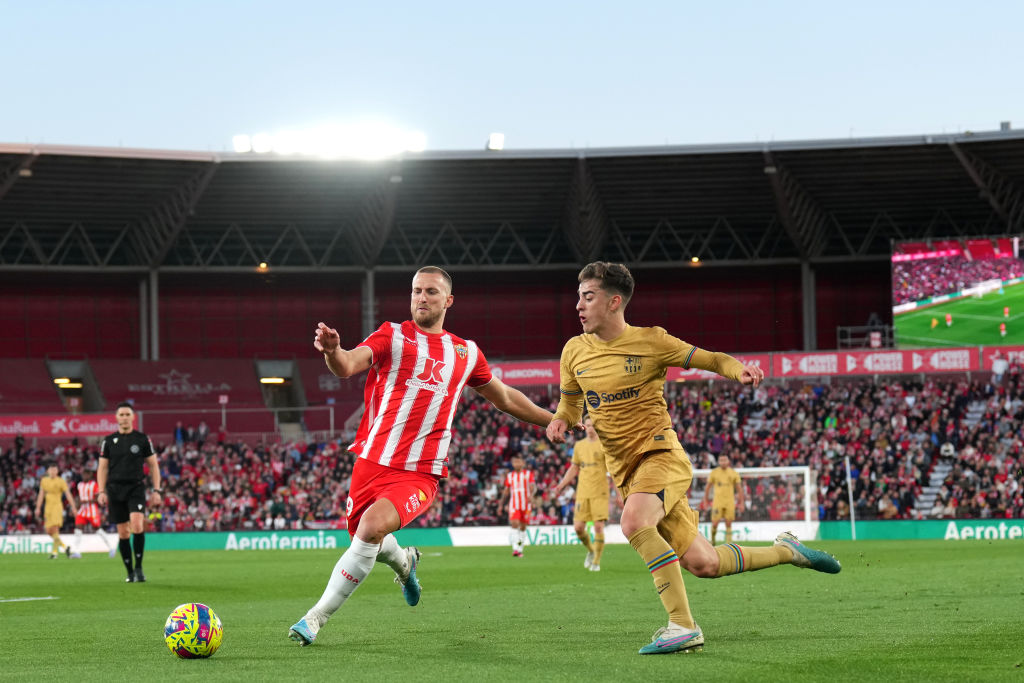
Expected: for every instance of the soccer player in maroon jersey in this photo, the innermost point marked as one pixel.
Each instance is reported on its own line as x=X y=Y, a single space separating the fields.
x=417 y=372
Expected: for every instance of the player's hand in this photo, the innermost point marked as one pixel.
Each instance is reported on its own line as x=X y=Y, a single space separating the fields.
x=154 y=499
x=752 y=375
x=556 y=431
x=326 y=339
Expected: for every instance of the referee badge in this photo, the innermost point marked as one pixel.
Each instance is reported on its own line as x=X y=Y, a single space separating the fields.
x=134 y=448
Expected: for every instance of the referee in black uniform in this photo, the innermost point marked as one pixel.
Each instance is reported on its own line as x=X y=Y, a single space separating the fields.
x=121 y=481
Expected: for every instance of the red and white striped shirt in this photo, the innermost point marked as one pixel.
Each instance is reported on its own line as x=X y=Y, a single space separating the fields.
x=412 y=390
x=87 y=508
x=518 y=485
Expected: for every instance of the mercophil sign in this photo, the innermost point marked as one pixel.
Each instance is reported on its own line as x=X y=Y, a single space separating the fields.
x=57 y=425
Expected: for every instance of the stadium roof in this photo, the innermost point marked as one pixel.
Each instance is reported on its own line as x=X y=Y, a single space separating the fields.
x=80 y=208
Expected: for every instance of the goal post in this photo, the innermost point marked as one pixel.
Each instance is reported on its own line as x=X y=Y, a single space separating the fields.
x=776 y=499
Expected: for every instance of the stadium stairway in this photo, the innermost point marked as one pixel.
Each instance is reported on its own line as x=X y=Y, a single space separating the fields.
x=924 y=503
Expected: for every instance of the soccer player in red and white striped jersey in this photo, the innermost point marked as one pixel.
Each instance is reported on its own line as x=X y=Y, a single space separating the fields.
x=417 y=372
x=519 y=489
x=88 y=513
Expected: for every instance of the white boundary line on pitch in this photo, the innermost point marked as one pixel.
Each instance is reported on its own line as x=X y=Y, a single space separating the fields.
x=48 y=597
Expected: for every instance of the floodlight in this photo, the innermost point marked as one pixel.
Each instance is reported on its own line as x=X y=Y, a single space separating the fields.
x=262 y=143
x=496 y=141
x=242 y=144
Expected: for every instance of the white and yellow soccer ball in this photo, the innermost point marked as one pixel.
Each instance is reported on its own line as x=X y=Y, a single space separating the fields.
x=193 y=631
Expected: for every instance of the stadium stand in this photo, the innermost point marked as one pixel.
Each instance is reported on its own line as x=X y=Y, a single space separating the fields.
x=26 y=387
x=941 y=448
x=185 y=390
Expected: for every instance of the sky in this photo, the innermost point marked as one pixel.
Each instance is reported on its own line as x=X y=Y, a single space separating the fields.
x=187 y=75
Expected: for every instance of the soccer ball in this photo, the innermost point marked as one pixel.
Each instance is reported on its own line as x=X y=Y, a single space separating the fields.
x=193 y=631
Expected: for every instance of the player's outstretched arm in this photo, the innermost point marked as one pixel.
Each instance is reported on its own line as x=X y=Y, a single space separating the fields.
x=342 y=363
x=726 y=366
x=514 y=403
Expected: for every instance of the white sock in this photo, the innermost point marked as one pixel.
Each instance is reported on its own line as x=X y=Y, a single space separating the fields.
x=105 y=538
x=513 y=539
x=350 y=571
x=522 y=538
x=393 y=555
x=77 y=543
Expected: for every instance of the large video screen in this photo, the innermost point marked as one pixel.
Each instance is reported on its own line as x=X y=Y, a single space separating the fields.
x=958 y=292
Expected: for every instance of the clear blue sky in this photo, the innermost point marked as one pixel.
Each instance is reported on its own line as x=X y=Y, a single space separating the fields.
x=189 y=75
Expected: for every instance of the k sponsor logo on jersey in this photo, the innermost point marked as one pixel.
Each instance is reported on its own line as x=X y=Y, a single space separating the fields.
x=431 y=378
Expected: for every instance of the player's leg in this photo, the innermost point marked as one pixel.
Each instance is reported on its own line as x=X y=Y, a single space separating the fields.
x=124 y=545
x=707 y=561
x=117 y=509
x=640 y=517
x=598 y=544
x=76 y=544
x=656 y=489
x=379 y=519
x=412 y=496
x=579 y=525
x=728 y=529
x=53 y=531
x=137 y=526
x=715 y=520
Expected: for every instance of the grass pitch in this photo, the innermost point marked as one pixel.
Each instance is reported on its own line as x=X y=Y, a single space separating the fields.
x=914 y=611
x=975 y=322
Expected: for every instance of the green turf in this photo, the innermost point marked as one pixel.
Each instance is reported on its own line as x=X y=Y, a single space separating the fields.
x=975 y=322
x=922 y=610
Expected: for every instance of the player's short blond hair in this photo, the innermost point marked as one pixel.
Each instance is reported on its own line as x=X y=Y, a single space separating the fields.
x=437 y=271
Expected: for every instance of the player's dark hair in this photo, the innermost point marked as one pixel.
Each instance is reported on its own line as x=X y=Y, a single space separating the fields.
x=614 y=277
x=439 y=271
x=124 y=404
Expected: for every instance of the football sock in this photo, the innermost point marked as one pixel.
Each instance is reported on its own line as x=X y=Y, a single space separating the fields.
x=585 y=540
x=125 y=546
x=734 y=559
x=104 y=537
x=56 y=542
x=598 y=547
x=663 y=564
x=728 y=535
x=77 y=544
x=350 y=571
x=393 y=555
x=139 y=544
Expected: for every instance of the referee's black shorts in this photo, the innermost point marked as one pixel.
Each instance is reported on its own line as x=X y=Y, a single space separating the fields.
x=124 y=498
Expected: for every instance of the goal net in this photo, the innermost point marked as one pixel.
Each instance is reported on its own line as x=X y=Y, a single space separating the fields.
x=775 y=499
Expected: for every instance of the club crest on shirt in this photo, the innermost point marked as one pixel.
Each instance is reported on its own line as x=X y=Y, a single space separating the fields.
x=461 y=351
x=632 y=365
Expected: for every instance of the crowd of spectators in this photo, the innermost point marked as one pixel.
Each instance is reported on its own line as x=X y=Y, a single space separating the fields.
x=917 y=280
x=895 y=435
